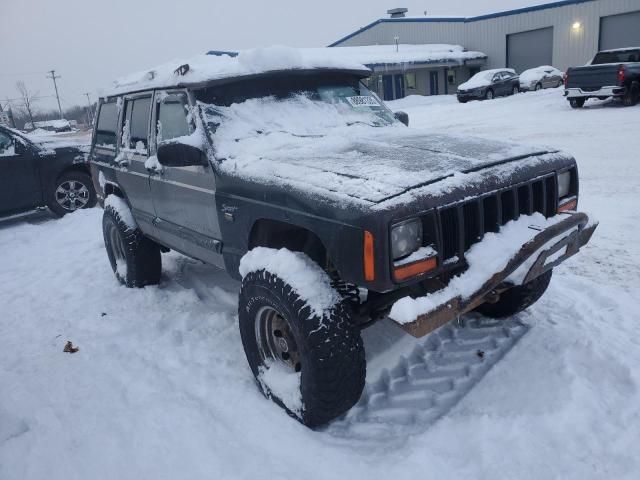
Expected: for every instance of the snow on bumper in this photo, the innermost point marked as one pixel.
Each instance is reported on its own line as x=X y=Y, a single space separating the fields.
x=521 y=251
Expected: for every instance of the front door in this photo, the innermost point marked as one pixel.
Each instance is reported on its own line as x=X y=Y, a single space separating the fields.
x=183 y=197
x=19 y=183
x=433 y=82
x=398 y=81
x=387 y=84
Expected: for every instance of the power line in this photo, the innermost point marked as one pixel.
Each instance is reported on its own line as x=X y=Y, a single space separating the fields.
x=55 y=85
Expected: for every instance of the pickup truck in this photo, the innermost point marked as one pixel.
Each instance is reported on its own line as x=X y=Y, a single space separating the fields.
x=611 y=73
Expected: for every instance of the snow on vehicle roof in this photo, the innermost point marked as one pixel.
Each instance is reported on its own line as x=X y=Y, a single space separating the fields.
x=625 y=49
x=220 y=65
x=483 y=78
x=534 y=74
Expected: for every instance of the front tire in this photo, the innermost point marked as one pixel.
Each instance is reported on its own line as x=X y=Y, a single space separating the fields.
x=488 y=95
x=517 y=299
x=279 y=330
x=538 y=86
x=134 y=258
x=72 y=191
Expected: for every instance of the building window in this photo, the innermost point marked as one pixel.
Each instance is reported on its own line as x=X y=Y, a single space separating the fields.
x=410 y=81
x=451 y=77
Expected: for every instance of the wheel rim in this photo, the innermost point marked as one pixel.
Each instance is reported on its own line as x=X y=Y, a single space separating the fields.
x=117 y=246
x=538 y=87
x=515 y=90
x=275 y=339
x=72 y=195
x=489 y=94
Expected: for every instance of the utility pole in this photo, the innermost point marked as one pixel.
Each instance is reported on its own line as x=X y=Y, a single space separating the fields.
x=90 y=108
x=53 y=77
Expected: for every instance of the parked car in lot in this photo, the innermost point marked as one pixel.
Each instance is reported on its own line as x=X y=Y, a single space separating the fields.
x=43 y=174
x=611 y=73
x=297 y=180
x=538 y=78
x=488 y=84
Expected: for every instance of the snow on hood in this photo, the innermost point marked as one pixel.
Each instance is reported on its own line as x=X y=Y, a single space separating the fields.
x=204 y=67
x=307 y=146
x=535 y=74
x=482 y=79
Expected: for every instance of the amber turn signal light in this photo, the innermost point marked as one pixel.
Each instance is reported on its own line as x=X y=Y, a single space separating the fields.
x=570 y=205
x=414 y=269
x=369 y=267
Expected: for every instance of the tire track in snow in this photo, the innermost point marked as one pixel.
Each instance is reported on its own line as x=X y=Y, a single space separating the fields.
x=425 y=385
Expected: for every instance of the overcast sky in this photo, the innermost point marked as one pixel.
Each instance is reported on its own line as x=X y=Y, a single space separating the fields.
x=89 y=43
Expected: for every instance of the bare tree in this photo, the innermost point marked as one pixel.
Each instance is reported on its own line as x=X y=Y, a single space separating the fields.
x=28 y=99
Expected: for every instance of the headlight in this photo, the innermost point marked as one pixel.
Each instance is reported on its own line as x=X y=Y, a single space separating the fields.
x=406 y=237
x=564 y=184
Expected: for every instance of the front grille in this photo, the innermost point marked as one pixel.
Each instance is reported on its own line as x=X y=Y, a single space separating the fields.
x=465 y=223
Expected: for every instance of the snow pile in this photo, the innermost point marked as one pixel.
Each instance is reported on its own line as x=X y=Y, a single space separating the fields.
x=482 y=79
x=122 y=209
x=204 y=67
x=485 y=259
x=373 y=55
x=536 y=74
x=282 y=382
x=304 y=276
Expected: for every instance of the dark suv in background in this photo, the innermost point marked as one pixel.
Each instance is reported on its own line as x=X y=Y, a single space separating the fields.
x=34 y=174
x=487 y=84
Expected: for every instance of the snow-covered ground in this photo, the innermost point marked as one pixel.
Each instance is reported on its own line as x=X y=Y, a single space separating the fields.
x=160 y=387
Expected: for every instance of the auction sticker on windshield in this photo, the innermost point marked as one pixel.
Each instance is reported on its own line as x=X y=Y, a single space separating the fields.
x=363 y=101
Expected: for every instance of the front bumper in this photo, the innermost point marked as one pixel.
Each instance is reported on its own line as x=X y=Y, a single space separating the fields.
x=611 y=91
x=470 y=95
x=542 y=253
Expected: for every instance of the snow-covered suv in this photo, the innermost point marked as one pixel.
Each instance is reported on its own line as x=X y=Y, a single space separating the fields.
x=283 y=168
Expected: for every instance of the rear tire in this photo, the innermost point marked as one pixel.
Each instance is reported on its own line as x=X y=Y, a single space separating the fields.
x=515 y=90
x=631 y=97
x=134 y=258
x=516 y=299
x=577 y=102
x=327 y=351
x=72 y=191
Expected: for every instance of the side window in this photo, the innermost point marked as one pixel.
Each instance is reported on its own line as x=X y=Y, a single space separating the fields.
x=172 y=117
x=107 y=125
x=497 y=77
x=135 y=131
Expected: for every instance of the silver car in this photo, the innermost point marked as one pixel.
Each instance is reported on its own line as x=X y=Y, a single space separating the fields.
x=538 y=78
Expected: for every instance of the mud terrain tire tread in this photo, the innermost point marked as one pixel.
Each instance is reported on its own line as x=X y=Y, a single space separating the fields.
x=144 y=263
x=331 y=349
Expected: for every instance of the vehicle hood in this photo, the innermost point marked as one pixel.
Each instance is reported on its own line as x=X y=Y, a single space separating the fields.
x=374 y=168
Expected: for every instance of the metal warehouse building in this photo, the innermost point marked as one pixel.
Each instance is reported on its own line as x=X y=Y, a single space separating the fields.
x=562 y=34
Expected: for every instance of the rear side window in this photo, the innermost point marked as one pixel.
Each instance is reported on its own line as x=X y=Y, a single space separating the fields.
x=135 y=130
x=617 y=57
x=172 y=117
x=107 y=125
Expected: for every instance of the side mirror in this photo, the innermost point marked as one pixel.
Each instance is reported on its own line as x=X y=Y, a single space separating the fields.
x=402 y=117
x=175 y=154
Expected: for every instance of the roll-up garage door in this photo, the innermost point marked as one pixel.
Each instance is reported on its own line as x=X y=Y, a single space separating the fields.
x=618 y=31
x=530 y=49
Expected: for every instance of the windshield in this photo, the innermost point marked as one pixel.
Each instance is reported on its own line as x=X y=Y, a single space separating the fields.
x=302 y=105
x=617 y=57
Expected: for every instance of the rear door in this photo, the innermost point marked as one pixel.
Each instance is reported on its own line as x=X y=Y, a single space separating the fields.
x=183 y=197
x=133 y=152
x=19 y=182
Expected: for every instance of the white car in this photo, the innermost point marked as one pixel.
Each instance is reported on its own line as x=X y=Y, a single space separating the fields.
x=538 y=78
